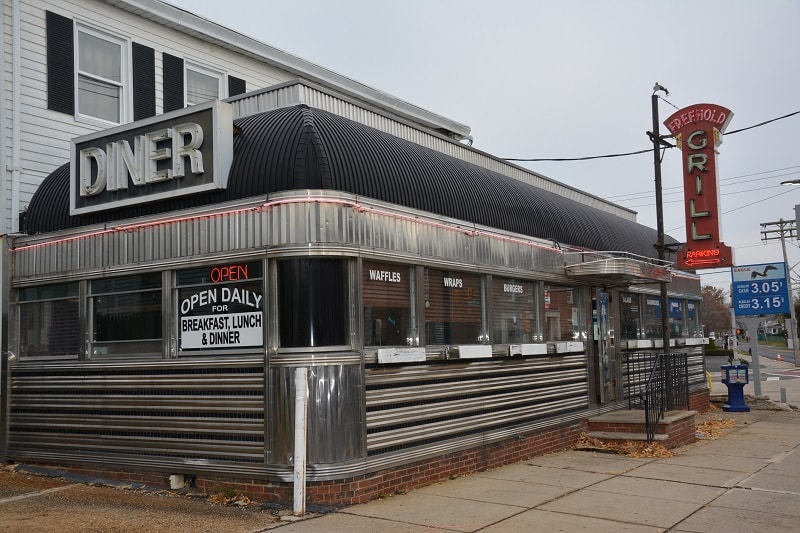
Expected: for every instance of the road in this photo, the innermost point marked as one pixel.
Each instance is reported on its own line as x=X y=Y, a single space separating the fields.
x=771 y=352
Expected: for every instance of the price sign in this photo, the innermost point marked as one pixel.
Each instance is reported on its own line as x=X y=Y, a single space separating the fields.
x=760 y=289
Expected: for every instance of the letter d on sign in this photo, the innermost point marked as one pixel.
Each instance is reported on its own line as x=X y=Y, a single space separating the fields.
x=89 y=187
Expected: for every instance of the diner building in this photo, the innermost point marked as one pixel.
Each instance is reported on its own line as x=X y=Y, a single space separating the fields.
x=450 y=311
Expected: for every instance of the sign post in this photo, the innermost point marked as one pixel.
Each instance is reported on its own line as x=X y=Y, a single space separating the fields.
x=760 y=289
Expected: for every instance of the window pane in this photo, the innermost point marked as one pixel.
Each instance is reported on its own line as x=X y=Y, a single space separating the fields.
x=387 y=305
x=694 y=319
x=126 y=317
x=452 y=307
x=677 y=326
x=562 y=314
x=99 y=100
x=99 y=57
x=48 y=292
x=99 y=77
x=127 y=283
x=630 y=316
x=652 y=317
x=312 y=302
x=49 y=328
x=200 y=87
x=514 y=311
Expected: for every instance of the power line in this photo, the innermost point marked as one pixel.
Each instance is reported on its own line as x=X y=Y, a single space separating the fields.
x=679 y=188
x=647 y=151
x=586 y=158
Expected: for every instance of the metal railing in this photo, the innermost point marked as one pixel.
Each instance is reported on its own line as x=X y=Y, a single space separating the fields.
x=657 y=383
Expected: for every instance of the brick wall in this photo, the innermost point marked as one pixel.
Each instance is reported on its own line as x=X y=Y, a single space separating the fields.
x=361 y=489
x=700 y=401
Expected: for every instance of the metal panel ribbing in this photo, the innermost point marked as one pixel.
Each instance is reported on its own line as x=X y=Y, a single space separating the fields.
x=203 y=415
x=425 y=404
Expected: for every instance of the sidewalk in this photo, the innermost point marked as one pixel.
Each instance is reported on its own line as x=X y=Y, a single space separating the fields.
x=748 y=479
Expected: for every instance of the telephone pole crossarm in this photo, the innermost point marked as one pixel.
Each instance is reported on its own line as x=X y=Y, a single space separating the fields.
x=781 y=230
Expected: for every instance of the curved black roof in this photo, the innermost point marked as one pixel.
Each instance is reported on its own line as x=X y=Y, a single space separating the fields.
x=300 y=147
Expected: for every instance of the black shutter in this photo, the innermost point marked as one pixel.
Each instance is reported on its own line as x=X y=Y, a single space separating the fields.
x=144 y=81
x=60 y=64
x=173 y=83
x=236 y=86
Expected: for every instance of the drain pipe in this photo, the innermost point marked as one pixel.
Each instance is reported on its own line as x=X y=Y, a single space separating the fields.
x=300 y=439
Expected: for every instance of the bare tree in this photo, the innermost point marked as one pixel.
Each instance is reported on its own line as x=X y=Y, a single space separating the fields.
x=715 y=309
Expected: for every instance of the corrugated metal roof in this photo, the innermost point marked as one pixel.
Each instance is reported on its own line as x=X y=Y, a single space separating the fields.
x=300 y=147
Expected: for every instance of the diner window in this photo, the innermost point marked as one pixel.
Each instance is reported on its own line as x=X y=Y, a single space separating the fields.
x=515 y=312
x=677 y=324
x=693 y=318
x=562 y=314
x=453 y=307
x=313 y=302
x=126 y=313
x=389 y=317
x=630 y=315
x=202 y=84
x=221 y=307
x=652 y=317
x=48 y=321
x=100 y=75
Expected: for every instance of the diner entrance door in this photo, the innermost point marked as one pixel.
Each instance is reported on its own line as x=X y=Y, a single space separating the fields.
x=604 y=349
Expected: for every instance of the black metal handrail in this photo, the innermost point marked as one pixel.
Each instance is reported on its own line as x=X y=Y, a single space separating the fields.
x=657 y=383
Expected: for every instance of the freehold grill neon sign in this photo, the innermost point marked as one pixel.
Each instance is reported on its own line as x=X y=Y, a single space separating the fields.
x=698 y=132
x=178 y=153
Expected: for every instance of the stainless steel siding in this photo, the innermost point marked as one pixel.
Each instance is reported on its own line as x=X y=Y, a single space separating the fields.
x=186 y=416
x=335 y=427
x=420 y=405
x=337 y=221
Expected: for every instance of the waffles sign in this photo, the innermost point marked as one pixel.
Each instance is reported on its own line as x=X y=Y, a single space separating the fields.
x=698 y=132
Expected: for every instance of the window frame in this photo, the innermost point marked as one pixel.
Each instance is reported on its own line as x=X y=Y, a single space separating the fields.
x=200 y=68
x=448 y=302
x=72 y=292
x=180 y=286
x=95 y=347
x=124 y=85
x=507 y=295
x=407 y=278
x=569 y=328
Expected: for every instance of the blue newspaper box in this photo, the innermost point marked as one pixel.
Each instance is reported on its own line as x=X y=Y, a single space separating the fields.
x=735 y=377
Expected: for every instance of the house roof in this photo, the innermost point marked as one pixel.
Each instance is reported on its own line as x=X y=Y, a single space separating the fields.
x=299 y=147
x=201 y=28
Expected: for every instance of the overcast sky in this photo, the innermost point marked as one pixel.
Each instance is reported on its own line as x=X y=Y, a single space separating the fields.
x=573 y=78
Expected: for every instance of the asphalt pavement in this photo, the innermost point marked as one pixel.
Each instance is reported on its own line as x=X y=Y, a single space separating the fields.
x=745 y=479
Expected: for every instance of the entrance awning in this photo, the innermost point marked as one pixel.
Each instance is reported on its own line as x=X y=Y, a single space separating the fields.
x=616 y=268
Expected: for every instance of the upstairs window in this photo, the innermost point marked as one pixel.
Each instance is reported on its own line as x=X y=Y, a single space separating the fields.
x=100 y=76
x=202 y=85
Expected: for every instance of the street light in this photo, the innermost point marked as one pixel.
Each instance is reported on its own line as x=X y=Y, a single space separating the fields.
x=791 y=182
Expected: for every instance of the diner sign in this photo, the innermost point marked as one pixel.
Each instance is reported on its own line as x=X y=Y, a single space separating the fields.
x=174 y=154
x=698 y=132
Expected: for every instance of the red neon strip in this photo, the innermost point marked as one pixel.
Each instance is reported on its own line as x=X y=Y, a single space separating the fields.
x=277 y=203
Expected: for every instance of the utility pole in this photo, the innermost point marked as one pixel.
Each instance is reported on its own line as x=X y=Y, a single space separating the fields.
x=658 y=142
x=781 y=230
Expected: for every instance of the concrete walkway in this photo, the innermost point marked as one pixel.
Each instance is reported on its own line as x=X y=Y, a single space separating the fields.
x=746 y=480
